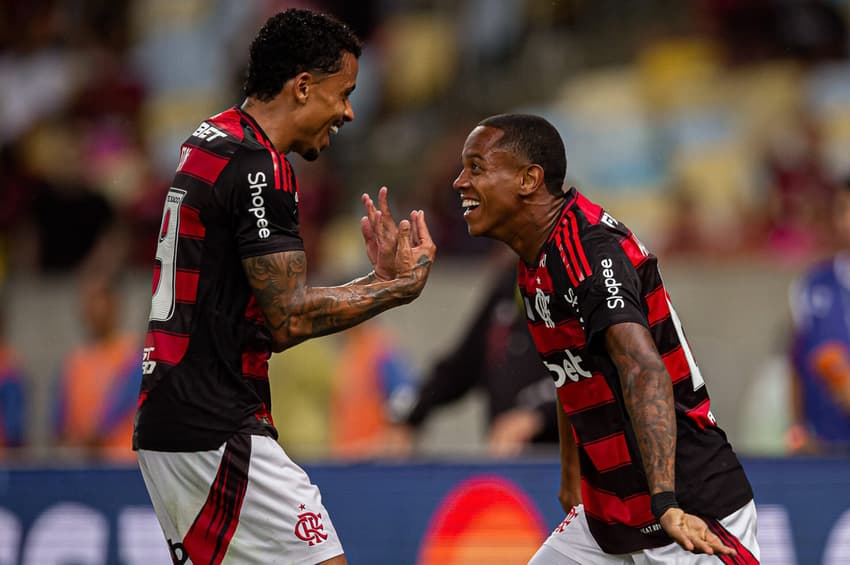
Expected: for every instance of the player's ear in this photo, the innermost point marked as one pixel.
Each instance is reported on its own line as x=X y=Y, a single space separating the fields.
x=532 y=179
x=301 y=86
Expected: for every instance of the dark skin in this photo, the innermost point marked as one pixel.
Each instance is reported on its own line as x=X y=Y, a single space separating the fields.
x=514 y=206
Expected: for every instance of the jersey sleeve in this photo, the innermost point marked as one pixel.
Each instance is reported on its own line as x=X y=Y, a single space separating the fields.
x=612 y=293
x=265 y=211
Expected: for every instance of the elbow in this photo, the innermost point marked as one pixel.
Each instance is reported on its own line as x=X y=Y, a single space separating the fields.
x=289 y=334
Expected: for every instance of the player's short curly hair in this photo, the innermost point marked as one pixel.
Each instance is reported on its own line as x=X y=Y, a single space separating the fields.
x=538 y=141
x=294 y=41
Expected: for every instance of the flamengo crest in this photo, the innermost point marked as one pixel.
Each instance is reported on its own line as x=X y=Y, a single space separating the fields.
x=309 y=528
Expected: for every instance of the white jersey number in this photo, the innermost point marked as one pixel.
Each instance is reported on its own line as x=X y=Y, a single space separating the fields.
x=162 y=303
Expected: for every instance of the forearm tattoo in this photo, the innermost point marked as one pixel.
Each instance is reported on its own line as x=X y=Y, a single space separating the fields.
x=295 y=312
x=648 y=396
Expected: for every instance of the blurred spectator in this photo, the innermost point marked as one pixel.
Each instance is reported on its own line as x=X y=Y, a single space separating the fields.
x=820 y=354
x=12 y=393
x=372 y=387
x=801 y=189
x=495 y=354
x=99 y=380
x=300 y=380
x=69 y=219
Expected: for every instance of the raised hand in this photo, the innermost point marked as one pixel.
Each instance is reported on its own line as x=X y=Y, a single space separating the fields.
x=415 y=247
x=692 y=533
x=380 y=234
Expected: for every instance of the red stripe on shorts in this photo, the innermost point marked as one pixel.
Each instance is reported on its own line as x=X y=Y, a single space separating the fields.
x=209 y=537
x=744 y=557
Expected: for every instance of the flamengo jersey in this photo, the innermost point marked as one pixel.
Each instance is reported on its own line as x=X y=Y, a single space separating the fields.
x=593 y=273
x=205 y=362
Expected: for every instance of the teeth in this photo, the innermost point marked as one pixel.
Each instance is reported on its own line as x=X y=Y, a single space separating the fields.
x=469 y=203
x=334 y=129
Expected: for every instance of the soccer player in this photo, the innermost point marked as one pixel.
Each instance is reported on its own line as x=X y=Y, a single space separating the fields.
x=230 y=287
x=647 y=475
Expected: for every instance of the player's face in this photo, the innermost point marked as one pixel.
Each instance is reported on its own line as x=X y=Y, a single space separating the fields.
x=488 y=185
x=327 y=108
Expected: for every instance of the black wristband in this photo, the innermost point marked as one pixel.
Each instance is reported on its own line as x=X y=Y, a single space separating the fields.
x=660 y=502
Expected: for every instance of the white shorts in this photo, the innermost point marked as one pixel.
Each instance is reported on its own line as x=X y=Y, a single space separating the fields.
x=245 y=502
x=572 y=544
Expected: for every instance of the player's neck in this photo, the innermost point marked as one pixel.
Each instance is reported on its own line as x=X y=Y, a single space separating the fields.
x=533 y=234
x=267 y=115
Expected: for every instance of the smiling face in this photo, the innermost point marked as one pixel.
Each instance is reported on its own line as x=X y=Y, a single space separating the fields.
x=490 y=184
x=326 y=108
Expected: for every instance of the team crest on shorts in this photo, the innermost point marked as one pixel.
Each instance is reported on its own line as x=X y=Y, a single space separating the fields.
x=309 y=528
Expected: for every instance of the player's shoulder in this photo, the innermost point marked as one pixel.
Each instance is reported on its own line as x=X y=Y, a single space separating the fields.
x=224 y=134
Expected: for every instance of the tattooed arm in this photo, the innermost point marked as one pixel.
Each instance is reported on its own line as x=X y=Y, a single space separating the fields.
x=648 y=394
x=295 y=311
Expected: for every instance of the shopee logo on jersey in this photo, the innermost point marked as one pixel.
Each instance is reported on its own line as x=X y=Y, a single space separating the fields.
x=614 y=300
x=257 y=183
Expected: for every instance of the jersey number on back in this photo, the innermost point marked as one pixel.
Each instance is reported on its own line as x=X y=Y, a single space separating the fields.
x=162 y=303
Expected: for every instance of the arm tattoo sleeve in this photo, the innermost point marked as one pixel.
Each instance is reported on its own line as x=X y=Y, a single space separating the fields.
x=648 y=395
x=294 y=311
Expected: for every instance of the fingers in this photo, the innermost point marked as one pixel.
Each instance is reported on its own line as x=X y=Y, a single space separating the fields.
x=383 y=204
x=403 y=250
x=692 y=533
x=368 y=204
x=423 y=236
x=710 y=544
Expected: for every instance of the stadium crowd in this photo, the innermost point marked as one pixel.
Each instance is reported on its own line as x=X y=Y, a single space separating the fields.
x=717 y=129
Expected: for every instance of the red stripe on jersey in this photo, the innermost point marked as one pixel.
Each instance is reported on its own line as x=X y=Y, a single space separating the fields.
x=659 y=308
x=584 y=394
x=700 y=414
x=677 y=364
x=609 y=452
x=190 y=223
x=255 y=364
x=576 y=276
x=593 y=212
x=559 y=240
x=610 y=508
x=276 y=160
x=209 y=537
x=201 y=164
x=253 y=312
x=186 y=286
x=566 y=335
x=168 y=347
x=229 y=121
x=156 y=273
x=633 y=251
x=264 y=414
x=584 y=266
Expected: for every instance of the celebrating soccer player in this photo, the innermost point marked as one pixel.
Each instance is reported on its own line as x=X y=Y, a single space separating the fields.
x=647 y=475
x=231 y=286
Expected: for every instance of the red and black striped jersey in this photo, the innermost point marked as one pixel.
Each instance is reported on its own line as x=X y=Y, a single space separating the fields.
x=205 y=362
x=593 y=273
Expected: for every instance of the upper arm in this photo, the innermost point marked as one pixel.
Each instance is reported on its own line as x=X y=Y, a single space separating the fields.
x=279 y=282
x=632 y=349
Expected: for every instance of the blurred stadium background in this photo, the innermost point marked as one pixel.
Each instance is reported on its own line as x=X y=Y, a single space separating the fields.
x=716 y=129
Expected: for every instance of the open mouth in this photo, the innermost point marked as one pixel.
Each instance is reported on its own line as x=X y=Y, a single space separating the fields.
x=468 y=205
x=334 y=129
